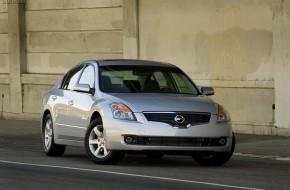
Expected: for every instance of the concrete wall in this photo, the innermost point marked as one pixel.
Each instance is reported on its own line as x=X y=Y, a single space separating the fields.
x=57 y=35
x=61 y=34
x=226 y=44
x=4 y=65
x=4 y=59
x=241 y=48
x=282 y=64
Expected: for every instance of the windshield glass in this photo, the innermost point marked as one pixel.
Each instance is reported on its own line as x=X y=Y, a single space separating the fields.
x=145 y=79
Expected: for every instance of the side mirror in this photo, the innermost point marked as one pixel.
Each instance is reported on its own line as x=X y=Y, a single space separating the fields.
x=83 y=88
x=208 y=91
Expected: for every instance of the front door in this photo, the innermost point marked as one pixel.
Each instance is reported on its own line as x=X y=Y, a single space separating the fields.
x=80 y=105
x=61 y=123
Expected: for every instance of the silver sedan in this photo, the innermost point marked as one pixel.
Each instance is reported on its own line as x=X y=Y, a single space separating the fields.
x=118 y=107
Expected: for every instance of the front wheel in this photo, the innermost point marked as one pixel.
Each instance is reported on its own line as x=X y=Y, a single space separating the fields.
x=215 y=158
x=95 y=145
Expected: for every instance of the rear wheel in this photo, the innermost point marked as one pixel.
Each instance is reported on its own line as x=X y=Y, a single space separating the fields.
x=95 y=145
x=50 y=148
x=215 y=158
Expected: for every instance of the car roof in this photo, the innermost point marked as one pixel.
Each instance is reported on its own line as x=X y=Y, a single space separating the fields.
x=132 y=62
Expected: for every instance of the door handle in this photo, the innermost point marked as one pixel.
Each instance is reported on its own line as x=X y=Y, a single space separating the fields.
x=71 y=103
x=54 y=97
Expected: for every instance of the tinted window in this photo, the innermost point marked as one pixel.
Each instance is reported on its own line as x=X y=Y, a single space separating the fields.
x=159 y=76
x=72 y=78
x=145 y=79
x=181 y=83
x=88 y=76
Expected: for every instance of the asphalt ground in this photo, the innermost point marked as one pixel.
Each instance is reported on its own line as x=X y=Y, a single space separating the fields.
x=259 y=162
x=273 y=147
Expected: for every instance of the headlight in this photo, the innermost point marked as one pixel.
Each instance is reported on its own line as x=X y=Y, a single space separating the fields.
x=222 y=115
x=120 y=111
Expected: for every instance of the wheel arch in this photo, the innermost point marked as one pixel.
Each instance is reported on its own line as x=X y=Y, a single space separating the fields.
x=95 y=115
x=45 y=113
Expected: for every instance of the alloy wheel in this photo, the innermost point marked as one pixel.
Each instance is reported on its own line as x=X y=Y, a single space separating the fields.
x=48 y=134
x=97 y=142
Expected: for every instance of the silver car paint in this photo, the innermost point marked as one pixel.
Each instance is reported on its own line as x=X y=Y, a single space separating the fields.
x=164 y=102
x=72 y=111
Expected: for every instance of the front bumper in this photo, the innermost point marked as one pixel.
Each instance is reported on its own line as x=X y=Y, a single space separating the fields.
x=116 y=131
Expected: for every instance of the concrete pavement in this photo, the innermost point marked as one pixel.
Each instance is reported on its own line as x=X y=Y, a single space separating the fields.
x=268 y=147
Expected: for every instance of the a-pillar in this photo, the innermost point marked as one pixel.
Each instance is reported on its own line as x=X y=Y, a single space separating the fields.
x=17 y=54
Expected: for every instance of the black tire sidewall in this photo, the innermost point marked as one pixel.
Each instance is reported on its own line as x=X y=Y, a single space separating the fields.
x=219 y=159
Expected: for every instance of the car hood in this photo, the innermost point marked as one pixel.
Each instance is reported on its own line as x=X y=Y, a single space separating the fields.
x=138 y=102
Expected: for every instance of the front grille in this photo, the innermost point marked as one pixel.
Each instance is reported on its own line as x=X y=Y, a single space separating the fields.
x=192 y=118
x=174 y=141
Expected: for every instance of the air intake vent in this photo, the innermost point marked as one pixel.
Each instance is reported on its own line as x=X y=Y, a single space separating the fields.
x=179 y=118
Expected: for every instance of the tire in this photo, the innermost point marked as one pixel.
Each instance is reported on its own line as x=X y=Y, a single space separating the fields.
x=215 y=158
x=95 y=145
x=50 y=148
x=155 y=155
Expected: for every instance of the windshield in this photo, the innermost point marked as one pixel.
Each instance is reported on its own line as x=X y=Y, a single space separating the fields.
x=145 y=79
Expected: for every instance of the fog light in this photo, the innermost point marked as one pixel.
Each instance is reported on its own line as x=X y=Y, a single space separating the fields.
x=128 y=140
x=223 y=141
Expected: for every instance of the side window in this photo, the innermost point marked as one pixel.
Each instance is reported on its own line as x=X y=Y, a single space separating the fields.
x=72 y=78
x=88 y=76
x=64 y=80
